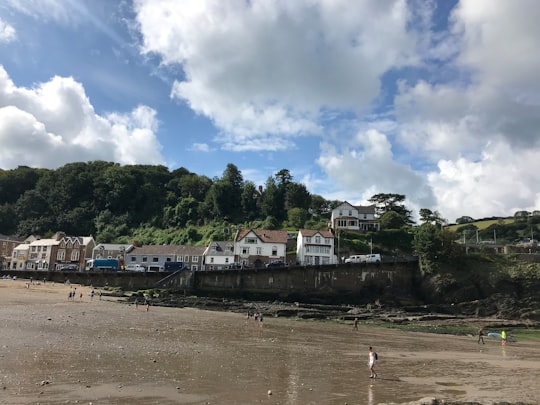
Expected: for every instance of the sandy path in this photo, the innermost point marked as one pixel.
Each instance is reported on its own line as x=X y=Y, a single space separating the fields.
x=103 y=352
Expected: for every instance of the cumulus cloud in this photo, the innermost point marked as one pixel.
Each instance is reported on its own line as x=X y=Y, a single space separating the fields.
x=480 y=129
x=268 y=70
x=54 y=123
x=7 y=32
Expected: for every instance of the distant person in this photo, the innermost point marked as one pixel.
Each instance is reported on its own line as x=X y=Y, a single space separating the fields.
x=503 y=338
x=372 y=357
x=147 y=303
x=355 y=323
x=481 y=336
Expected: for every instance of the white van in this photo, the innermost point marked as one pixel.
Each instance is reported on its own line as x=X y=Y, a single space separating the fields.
x=135 y=267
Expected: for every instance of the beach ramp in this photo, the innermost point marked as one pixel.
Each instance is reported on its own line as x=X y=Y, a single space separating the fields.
x=171 y=277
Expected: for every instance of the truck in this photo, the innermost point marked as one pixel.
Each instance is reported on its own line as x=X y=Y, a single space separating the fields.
x=174 y=266
x=369 y=258
x=372 y=258
x=102 y=265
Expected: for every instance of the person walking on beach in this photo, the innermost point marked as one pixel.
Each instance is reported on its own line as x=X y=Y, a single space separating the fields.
x=371 y=363
x=503 y=338
x=355 y=323
x=481 y=336
x=147 y=302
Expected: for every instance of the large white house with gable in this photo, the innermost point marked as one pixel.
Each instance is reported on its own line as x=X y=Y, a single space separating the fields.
x=354 y=218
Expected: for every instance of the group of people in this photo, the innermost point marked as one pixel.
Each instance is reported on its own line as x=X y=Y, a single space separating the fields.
x=481 y=335
x=72 y=295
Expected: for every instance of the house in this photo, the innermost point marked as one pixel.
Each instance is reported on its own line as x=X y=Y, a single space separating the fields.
x=219 y=255
x=19 y=257
x=154 y=257
x=257 y=247
x=355 y=218
x=57 y=253
x=71 y=252
x=315 y=247
x=7 y=245
x=112 y=251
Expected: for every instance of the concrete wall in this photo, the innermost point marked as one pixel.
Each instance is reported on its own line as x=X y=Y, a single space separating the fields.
x=124 y=280
x=354 y=283
x=347 y=283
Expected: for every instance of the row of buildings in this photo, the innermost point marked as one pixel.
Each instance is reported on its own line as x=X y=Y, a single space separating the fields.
x=250 y=248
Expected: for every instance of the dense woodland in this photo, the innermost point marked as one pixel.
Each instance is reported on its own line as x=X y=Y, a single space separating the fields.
x=153 y=205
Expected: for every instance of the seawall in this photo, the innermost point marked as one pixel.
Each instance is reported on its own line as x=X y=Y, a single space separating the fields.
x=347 y=283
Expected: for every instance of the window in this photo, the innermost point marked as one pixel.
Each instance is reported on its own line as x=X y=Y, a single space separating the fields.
x=63 y=244
x=144 y=259
x=259 y=251
x=44 y=256
x=327 y=241
x=194 y=259
x=155 y=259
x=317 y=239
x=350 y=213
x=33 y=249
x=251 y=240
x=308 y=239
x=274 y=251
x=226 y=260
x=133 y=259
x=61 y=255
x=211 y=260
x=75 y=256
x=44 y=248
x=69 y=245
x=245 y=250
x=342 y=222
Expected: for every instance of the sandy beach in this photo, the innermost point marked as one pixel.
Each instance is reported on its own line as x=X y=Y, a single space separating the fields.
x=105 y=351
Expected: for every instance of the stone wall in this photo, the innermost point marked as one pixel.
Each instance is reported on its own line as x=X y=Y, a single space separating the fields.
x=347 y=283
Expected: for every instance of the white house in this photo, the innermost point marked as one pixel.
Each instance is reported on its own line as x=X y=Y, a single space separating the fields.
x=219 y=255
x=19 y=256
x=356 y=218
x=315 y=247
x=256 y=247
x=156 y=257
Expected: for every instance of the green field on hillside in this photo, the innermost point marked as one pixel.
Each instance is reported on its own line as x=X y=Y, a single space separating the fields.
x=481 y=225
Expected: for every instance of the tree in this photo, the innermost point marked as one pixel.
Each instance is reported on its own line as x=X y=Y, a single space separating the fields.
x=392 y=220
x=464 y=220
x=297 y=217
x=297 y=196
x=428 y=247
x=431 y=217
x=391 y=202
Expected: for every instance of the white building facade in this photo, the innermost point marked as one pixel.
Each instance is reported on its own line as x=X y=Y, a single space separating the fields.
x=315 y=248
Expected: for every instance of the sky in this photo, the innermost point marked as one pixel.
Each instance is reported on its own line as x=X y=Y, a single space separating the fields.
x=435 y=100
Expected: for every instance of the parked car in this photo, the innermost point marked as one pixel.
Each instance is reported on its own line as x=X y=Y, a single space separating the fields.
x=277 y=263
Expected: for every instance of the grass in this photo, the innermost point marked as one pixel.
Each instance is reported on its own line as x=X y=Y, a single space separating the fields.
x=481 y=225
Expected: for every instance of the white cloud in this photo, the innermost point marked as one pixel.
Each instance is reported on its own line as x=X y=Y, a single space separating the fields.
x=480 y=129
x=7 y=32
x=200 y=147
x=54 y=123
x=271 y=68
x=367 y=166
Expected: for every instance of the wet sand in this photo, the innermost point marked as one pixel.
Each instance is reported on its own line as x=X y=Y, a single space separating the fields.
x=55 y=351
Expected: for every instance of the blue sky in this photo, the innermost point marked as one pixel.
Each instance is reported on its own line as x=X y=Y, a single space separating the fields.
x=436 y=100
